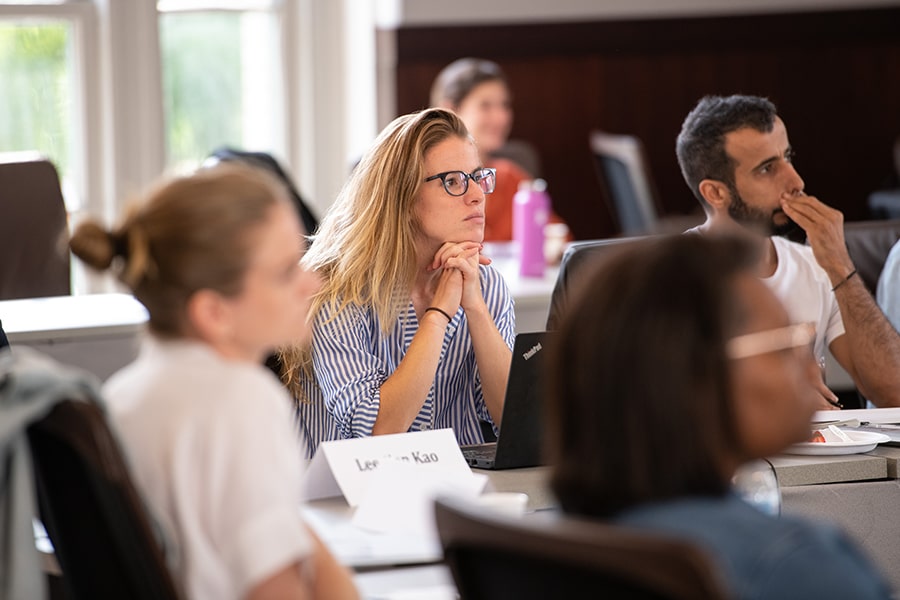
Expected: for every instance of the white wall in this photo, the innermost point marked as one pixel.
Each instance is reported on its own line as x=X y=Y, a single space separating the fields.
x=392 y=13
x=332 y=56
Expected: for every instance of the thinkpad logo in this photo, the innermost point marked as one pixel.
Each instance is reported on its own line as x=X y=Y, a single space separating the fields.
x=534 y=350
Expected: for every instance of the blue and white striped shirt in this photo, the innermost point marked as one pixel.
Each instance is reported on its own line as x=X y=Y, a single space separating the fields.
x=352 y=358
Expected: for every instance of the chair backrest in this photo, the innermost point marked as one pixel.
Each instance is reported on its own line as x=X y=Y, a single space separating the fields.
x=100 y=531
x=575 y=267
x=495 y=557
x=621 y=167
x=522 y=153
x=34 y=254
x=869 y=243
x=267 y=161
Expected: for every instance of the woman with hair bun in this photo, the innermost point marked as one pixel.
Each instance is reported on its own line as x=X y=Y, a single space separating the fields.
x=215 y=259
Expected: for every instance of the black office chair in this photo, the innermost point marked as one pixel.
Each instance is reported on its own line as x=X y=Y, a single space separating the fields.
x=575 y=267
x=884 y=203
x=497 y=557
x=34 y=252
x=869 y=243
x=101 y=534
x=266 y=161
x=522 y=153
x=624 y=175
x=623 y=171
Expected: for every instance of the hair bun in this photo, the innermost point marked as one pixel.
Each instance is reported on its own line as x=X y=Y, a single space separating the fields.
x=93 y=244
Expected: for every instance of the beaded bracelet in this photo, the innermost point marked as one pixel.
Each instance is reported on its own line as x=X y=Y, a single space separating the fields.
x=844 y=280
x=440 y=310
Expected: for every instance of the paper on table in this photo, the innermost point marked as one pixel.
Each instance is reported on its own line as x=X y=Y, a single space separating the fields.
x=872 y=415
x=359 y=548
x=442 y=592
x=432 y=582
x=400 y=499
x=890 y=430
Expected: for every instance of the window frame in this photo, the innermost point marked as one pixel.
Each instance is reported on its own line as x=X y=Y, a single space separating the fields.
x=328 y=96
x=82 y=17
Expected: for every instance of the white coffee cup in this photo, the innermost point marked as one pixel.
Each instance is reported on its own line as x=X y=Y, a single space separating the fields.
x=508 y=503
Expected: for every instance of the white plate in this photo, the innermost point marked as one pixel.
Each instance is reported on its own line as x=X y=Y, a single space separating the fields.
x=862 y=441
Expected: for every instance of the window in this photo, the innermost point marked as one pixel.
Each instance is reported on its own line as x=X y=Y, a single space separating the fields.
x=222 y=74
x=35 y=65
x=41 y=54
x=118 y=92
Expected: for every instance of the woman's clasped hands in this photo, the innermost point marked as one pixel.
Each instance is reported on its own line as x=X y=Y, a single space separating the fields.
x=459 y=282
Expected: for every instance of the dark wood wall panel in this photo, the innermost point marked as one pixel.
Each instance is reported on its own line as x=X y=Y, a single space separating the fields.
x=835 y=77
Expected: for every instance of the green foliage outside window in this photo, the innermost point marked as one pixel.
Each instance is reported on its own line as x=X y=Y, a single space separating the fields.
x=202 y=71
x=35 y=89
x=201 y=65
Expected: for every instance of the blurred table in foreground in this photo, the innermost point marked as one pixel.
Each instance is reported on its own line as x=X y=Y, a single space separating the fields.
x=97 y=332
x=858 y=492
x=867 y=511
x=401 y=566
x=428 y=582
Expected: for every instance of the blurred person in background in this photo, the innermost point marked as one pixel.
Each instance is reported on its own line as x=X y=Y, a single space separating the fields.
x=477 y=90
x=675 y=366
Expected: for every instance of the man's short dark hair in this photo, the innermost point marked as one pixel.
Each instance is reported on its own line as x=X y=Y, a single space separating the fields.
x=701 y=144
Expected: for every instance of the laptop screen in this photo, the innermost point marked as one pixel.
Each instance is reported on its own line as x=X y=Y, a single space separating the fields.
x=519 y=442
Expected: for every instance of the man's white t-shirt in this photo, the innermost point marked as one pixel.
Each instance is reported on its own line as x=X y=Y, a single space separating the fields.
x=888 y=290
x=214 y=452
x=805 y=290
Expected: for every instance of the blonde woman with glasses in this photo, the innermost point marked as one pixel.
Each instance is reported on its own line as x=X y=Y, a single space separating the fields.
x=413 y=327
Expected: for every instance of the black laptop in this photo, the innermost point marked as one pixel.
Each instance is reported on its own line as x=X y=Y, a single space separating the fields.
x=519 y=442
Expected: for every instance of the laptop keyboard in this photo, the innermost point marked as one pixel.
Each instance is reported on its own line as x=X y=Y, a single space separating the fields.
x=482 y=451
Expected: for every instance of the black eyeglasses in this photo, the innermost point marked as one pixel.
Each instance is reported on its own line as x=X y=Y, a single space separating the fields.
x=456 y=183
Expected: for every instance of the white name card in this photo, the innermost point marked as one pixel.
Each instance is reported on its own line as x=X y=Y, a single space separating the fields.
x=349 y=466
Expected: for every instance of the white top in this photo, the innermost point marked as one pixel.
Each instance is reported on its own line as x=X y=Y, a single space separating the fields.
x=805 y=290
x=888 y=291
x=215 y=454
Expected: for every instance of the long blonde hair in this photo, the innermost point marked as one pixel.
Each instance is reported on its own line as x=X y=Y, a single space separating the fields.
x=365 y=247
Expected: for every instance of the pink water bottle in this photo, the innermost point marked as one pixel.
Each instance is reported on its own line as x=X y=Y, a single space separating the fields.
x=531 y=210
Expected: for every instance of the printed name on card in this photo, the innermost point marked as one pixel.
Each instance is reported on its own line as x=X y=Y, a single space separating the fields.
x=348 y=466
